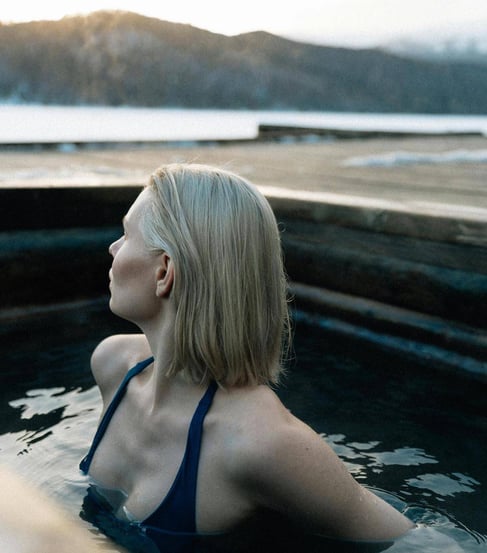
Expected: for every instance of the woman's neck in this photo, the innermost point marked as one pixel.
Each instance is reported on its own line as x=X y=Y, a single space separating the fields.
x=160 y=336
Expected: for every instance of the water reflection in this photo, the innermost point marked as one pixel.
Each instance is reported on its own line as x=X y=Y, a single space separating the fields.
x=405 y=456
x=444 y=484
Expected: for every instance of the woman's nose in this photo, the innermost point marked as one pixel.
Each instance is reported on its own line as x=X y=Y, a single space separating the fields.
x=114 y=246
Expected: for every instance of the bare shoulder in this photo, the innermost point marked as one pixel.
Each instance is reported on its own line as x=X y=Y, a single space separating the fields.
x=114 y=356
x=270 y=432
x=287 y=467
x=257 y=422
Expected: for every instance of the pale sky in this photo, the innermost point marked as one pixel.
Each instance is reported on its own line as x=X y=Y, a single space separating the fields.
x=343 y=22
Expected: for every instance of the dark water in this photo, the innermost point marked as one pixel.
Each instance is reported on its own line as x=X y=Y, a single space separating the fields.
x=415 y=435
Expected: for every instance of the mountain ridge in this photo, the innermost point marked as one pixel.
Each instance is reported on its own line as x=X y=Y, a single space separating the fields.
x=124 y=58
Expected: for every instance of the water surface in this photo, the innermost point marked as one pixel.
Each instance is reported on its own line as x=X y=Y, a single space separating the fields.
x=413 y=434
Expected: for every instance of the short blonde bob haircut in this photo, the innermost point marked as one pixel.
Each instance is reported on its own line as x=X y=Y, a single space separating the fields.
x=230 y=288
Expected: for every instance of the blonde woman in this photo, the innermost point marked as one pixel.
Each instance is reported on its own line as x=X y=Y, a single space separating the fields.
x=192 y=432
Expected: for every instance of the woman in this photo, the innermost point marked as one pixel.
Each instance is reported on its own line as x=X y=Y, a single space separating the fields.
x=192 y=432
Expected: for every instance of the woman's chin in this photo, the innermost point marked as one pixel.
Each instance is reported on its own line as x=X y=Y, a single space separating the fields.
x=116 y=310
x=113 y=307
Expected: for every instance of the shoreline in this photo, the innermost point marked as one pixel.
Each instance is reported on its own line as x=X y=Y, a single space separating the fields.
x=265 y=133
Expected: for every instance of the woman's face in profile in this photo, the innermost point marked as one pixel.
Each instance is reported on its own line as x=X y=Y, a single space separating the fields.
x=133 y=275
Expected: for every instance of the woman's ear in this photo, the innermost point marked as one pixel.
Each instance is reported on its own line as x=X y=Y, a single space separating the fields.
x=165 y=276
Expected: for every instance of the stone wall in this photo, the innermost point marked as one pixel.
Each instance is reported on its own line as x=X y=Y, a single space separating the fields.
x=413 y=277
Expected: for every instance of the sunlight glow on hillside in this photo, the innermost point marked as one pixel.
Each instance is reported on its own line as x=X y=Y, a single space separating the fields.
x=352 y=22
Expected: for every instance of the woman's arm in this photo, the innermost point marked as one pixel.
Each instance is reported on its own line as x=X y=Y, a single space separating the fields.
x=292 y=470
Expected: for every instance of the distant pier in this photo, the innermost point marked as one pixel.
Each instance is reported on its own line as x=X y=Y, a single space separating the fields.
x=282 y=132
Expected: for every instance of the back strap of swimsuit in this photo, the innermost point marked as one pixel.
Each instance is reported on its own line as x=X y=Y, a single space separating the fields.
x=117 y=398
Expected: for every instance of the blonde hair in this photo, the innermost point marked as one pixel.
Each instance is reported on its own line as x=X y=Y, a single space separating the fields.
x=229 y=285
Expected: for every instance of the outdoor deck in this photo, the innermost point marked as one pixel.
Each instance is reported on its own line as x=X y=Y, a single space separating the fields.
x=319 y=167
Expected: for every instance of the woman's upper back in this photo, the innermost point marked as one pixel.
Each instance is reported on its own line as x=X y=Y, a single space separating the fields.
x=254 y=455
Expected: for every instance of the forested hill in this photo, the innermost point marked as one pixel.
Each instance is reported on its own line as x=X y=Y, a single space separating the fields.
x=117 y=58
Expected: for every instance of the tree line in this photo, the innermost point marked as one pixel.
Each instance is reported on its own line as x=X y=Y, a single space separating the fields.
x=121 y=58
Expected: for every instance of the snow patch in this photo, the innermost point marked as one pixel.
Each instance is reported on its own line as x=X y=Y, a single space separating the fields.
x=401 y=158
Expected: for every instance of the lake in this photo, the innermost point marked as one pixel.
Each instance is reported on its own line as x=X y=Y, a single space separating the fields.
x=65 y=124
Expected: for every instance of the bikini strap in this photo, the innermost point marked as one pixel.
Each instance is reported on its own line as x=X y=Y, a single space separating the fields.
x=105 y=421
x=177 y=511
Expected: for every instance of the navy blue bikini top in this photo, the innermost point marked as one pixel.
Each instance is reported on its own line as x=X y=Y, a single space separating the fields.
x=177 y=512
